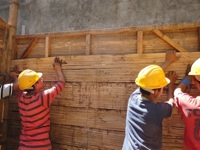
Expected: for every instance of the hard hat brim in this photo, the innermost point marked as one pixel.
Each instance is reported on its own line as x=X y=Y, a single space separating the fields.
x=166 y=82
x=39 y=74
x=193 y=73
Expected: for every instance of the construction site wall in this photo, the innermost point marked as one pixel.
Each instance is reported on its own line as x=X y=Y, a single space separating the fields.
x=100 y=76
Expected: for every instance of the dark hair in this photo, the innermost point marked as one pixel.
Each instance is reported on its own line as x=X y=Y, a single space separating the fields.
x=30 y=90
x=146 y=92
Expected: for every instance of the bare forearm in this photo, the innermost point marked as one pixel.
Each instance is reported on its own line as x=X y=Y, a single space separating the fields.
x=60 y=75
x=165 y=65
x=170 y=95
x=182 y=87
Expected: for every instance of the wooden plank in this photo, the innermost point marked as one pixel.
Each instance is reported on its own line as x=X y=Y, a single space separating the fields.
x=82 y=136
x=105 y=68
x=87 y=51
x=91 y=118
x=96 y=95
x=74 y=45
x=169 y=41
x=46 y=47
x=29 y=48
x=140 y=42
x=114 y=44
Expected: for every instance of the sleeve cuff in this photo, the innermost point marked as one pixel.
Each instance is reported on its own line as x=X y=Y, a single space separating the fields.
x=185 y=81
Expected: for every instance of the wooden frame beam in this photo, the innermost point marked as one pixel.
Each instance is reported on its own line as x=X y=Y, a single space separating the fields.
x=169 y=41
x=88 y=38
x=29 y=48
x=46 y=47
x=140 y=42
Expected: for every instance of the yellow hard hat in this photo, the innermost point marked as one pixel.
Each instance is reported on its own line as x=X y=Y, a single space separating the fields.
x=152 y=77
x=27 y=78
x=195 y=69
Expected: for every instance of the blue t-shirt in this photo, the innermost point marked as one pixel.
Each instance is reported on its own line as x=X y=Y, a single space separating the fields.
x=144 y=123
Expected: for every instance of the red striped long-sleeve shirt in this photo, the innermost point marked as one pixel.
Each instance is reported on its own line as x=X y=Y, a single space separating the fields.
x=35 y=118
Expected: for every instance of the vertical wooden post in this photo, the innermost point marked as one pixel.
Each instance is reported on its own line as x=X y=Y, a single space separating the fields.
x=87 y=51
x=8 y=54
x=47 y=47
x=140 y=42
x=12 y=21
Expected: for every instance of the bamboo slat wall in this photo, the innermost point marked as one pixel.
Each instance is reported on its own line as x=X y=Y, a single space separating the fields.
x=100 y=72
x=4 y=29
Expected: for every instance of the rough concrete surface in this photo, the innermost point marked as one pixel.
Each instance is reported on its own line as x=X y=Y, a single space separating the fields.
x=41 y=16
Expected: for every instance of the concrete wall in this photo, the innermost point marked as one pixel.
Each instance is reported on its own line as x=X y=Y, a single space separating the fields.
x=40 y=16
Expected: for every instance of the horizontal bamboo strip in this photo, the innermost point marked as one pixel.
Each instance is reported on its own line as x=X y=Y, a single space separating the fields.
x=107 y=96
x=104 y=68
x=86 y=137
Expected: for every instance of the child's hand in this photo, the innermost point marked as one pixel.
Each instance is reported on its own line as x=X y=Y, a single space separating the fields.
x=58 y=63
x=172 y=76
x=171 y=56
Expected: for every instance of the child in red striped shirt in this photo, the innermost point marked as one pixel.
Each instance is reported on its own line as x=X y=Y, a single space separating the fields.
x=34 y=107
